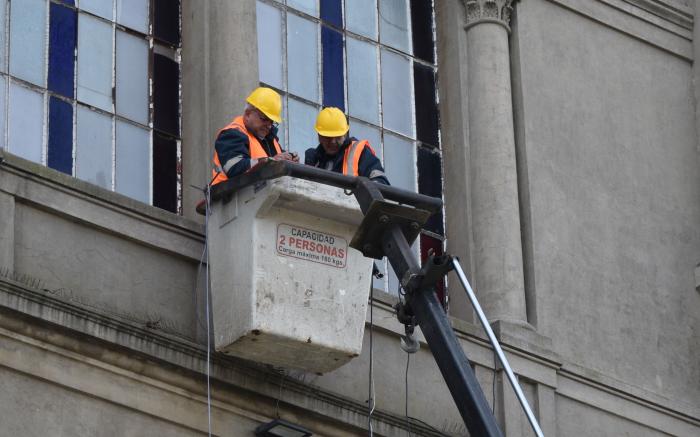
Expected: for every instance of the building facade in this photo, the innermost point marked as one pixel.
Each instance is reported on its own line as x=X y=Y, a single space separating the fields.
x=562 y=135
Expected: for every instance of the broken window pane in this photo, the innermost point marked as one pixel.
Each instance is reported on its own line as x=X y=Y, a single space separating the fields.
x=393 y=24
x=164 y=172
x=95 y=62
x=132 y=77
x=302 y=57
x=26 y=121
x=93 y=149
x=28 y=40
x=270 y=45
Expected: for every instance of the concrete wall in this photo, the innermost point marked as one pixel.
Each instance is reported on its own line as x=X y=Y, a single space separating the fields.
x=611 y=154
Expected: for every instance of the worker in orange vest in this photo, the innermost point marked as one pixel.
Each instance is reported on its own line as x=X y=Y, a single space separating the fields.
x=339 y=152
x=250 y=137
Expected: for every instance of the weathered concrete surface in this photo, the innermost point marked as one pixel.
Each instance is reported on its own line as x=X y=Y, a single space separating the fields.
x=219 y=69
x=7 y=231
x=614 y=183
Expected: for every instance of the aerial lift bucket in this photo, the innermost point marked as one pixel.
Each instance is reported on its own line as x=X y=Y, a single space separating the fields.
x=287 y=289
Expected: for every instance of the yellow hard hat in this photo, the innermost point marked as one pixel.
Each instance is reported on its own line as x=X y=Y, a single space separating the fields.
x=267 y=101
x=331 y=122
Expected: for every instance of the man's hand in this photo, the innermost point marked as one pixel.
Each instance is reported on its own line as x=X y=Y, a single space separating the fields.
x=287 y=156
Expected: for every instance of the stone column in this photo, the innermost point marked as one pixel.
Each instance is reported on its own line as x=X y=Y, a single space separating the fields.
x=219 y=69
x=497 y=256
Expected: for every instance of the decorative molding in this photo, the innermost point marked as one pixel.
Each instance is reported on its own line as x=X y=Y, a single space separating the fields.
x=488 y=11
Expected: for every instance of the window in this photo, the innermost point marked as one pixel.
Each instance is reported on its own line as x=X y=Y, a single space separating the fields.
x=91 y=88
x=374 y=59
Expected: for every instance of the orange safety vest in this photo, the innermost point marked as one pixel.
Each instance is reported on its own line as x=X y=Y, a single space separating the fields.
x=255 y=149
x=351 y=159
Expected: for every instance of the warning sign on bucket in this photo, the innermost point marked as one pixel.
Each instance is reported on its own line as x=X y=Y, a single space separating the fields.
x=314 y=246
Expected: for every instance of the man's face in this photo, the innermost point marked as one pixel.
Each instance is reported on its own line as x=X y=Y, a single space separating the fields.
x=257 y=123
x=331 y=145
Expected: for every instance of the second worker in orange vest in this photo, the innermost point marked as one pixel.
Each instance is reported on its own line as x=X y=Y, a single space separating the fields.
x=250 y=137
x=339 y=152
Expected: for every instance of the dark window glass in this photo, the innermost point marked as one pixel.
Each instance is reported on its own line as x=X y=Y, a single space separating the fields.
x=166 y=91
x=426 y=104
x=331 y=11
x=62 y=36
x=166 y=20
x=60 y=149
x=333 y=87
x=430 y=184
x=422 y=29
x=426 y=243
x=164 y=172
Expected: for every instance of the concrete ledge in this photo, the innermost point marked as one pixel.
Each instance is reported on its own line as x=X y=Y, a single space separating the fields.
x=51 y=190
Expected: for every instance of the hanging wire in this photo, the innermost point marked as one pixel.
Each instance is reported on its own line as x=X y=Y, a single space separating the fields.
x=408 y=421
x=370 y=404
x=206 y=248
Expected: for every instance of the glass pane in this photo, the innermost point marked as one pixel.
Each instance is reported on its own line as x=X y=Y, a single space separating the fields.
x=397 y=101
x=302 y=135
x=422 y=30
x=302 y=57
x=361 y=17
x=26 y=118
x=133 y=163
x=133 y=14
x=60 y=147
x=332 y=12
x=101 y=8
x=3 y=112
x=363 y=131
x=270 y=45
x=393 y=24
x=363 y=101
x=93 y=149
x=164 y=172
x=132 y=77
x=62 y=36
x=95 y=62
x=166 y=94
x=308 y=6
x=400 y=162
x=28 y=40
x=333 y=84
x=3 y=28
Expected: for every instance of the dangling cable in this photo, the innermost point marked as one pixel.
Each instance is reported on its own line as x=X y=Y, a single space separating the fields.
x=408 y=422
x=206 y=248
x=370 y=403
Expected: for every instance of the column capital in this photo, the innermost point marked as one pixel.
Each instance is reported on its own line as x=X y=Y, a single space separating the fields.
x=488 y=11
